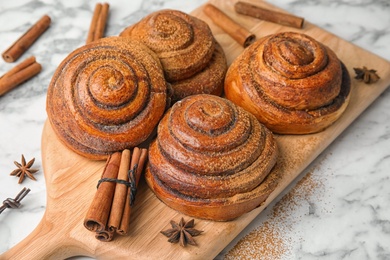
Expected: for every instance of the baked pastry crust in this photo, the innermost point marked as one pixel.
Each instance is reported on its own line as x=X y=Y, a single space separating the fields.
x=211 y=159
x=292 y=83
x=107 y=96
x=193 y=62
x=208 y=81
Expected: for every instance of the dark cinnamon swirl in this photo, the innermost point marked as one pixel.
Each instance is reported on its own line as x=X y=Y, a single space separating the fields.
x=107 y=96
x=292 y=83
x=187 y=49
x=211 y=159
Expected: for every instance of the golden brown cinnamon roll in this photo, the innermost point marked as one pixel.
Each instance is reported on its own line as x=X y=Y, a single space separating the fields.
x=292 y=83
x=107 y=96
x=211 y=159
x=186 y=48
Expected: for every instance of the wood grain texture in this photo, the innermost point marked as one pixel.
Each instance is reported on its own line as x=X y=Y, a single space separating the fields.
x=71 y=179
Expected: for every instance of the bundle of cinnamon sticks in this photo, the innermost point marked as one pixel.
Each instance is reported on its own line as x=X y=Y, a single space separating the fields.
x=110 y=210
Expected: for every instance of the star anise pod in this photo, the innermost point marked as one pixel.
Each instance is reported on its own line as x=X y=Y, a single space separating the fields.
x=366 y=75
x=182 y=232
x=24 y=169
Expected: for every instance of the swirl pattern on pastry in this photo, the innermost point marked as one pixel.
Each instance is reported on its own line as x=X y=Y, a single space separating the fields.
x=290 y=82
x=107 y=96
x=186 y=47
x=208 y=81
x=209 y=149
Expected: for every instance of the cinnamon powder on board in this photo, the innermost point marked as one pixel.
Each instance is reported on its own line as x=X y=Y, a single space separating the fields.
x=274 y=238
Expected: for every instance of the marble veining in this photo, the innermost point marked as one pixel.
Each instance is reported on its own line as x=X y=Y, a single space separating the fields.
x=347 y=216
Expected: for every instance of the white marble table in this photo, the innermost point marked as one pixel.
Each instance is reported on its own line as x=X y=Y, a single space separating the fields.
x=340 y=210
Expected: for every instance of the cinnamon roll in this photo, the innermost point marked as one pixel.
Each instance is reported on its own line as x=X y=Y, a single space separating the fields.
x=211 y=159
x=193 y=62
x=107 y=96
x=292 y=83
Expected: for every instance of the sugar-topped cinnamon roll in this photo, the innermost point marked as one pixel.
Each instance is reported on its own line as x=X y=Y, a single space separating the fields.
x=107 y=96
x=292 y=83
x=211 y=159
x=193 y=61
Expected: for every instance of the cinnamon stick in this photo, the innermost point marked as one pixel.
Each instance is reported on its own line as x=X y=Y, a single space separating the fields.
x=105 y=235
x=101 y=25
x=268 y=15
x=95 y=18
x=98 y=22
x=243 y=36
x=19 y=74
x=137 y=163
x=27 y=39
x=99 y=210
x=119 y=200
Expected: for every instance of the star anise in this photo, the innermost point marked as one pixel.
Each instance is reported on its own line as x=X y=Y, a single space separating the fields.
x=366 y=75
x=182 y=232
x=24 y=169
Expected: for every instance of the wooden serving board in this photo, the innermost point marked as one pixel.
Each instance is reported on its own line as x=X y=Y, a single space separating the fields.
x=71 y=179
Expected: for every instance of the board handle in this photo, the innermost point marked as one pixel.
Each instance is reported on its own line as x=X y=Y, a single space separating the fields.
x=44 y=242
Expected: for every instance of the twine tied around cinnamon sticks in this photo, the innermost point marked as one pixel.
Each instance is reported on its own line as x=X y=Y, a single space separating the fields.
x=110 y=210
